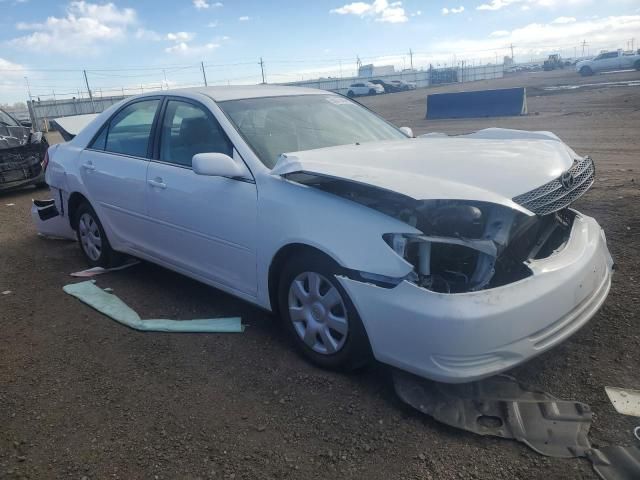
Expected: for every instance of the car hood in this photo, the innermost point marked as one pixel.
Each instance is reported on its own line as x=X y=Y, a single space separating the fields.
x=13 y=136
x=492 y=165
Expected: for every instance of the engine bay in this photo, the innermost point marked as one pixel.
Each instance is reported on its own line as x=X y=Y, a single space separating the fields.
x=466 y=246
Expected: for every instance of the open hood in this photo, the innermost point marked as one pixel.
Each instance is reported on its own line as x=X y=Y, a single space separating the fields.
x=493 y=165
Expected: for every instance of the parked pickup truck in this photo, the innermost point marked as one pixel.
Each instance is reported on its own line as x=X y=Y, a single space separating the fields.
x=608 y=61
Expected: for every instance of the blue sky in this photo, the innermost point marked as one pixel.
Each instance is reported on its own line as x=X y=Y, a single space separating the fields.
x=296 y=39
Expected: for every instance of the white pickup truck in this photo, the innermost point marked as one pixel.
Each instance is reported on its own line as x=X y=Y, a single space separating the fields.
x=608 y=61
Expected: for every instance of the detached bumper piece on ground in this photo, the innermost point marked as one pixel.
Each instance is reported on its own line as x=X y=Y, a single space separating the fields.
x=110 y=305
x=501 y=406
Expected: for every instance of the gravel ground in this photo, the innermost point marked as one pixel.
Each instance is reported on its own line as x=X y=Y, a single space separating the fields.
x=83 y=397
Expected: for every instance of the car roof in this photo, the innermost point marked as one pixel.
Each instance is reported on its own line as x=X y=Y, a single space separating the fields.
x=237 y=92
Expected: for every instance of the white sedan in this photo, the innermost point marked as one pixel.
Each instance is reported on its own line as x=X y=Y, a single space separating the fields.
x=452 y=258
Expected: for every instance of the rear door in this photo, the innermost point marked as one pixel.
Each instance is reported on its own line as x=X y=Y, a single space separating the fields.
x=202 y=224
x=114 y=171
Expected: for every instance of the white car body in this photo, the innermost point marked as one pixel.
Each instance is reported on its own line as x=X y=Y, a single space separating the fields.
x=342 y=200
x=608 y=61
x=364 y=88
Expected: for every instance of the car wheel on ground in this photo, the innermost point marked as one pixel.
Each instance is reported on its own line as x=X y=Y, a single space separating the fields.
x=350 y=94
x=637 y=65
x=586 y=71
x=318 y=315
x=372 y=91
x=92 y=238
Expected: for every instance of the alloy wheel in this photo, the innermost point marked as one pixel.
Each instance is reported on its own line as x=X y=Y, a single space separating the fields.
x=318 y=313
x=90 y=236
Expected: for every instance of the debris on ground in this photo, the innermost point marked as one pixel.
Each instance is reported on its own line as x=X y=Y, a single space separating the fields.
x=624 y=400
x=111 y=306
x=7 y=292
x=501 y=406
x=92 y=272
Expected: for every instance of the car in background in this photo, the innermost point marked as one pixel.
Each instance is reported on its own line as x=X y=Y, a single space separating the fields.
x=454 y=258
x=364 y=88
x=388 y=86
x=608 y=61
x=403 y=86
x=22 y=154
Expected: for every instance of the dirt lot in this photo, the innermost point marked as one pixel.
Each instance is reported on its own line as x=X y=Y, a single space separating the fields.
x=82 y=397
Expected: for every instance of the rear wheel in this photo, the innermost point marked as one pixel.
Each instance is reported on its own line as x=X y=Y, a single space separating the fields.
x=318 y=315
x=637 y=65
x=372 y=91
x=92 y=239
x=586 y=71
x=350 y=94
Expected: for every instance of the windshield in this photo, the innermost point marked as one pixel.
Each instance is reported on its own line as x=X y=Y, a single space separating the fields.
x=5 y=119
x=275 y=125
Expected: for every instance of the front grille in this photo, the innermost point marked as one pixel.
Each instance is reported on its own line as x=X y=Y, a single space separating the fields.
x=554 y=196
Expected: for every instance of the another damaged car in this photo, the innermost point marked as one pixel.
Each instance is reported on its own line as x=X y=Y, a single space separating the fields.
x=22 y=154
x=454 y=258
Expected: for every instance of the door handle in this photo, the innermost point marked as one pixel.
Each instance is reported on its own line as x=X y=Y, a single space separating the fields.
x=88 y=166
x=158 y=183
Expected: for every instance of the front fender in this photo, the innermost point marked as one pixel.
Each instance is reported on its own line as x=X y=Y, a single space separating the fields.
x=350 y=233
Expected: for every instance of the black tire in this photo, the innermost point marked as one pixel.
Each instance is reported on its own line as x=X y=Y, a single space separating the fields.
x=372 y=91
x=107 y=256
x=350 y=94
x=586 y=71
x=637 y=65
x=355 y=352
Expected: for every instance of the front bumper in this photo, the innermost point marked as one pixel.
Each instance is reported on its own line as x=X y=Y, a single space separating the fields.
x=466 y=336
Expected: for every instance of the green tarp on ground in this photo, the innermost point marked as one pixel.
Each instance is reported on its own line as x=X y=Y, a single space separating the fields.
x=110 y=305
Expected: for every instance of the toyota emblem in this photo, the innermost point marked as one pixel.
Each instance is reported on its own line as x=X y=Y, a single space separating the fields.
x=568 y=180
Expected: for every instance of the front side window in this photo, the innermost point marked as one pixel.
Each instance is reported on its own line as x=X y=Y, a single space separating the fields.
x=188 y=129
x=276 y=125
x=7 y=120
x=129 y=130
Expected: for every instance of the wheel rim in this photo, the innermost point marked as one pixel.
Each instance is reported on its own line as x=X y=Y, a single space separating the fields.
x=318 y=313
x=90 y=236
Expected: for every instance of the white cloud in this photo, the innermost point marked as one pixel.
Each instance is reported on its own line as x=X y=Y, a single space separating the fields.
x=244 y=18
x=563 y=20
x=379 y=10
x=86 y=27
x=213 y=24
x=447 y=11
x=527 y=4
x=180 y=36
x=202 y=4
x=183 y=48
x=500 y=33
x=417 y=13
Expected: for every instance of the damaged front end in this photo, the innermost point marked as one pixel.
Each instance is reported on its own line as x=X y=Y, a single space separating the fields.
x=21 y=156
x=465 y=245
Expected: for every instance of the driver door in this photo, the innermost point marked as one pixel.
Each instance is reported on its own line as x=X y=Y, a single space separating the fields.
x=205 y=225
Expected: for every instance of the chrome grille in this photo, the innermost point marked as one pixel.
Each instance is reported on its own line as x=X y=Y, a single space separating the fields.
x=554 y=196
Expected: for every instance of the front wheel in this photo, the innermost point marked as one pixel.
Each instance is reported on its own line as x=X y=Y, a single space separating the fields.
x=586 y=71
x=92 y=239
x=637 y=65
x=350 y=94
x=318 y=315
x=372 y=91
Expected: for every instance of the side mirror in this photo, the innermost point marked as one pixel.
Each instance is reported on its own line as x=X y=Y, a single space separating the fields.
x=407 y=131
x=26 y=123
x=216 y=165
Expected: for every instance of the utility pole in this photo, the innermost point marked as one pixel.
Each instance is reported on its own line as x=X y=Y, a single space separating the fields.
x=204 y=74
x=512 y=57
x=411 y=58
x=26 y=79
x=340 y=68
x=164 y=72
x=584 y=44
x=86 y=81
x=262 y=69
x=632 y=42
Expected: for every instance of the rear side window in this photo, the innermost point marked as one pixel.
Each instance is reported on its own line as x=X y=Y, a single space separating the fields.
x=129 y=131
x=188 y=129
